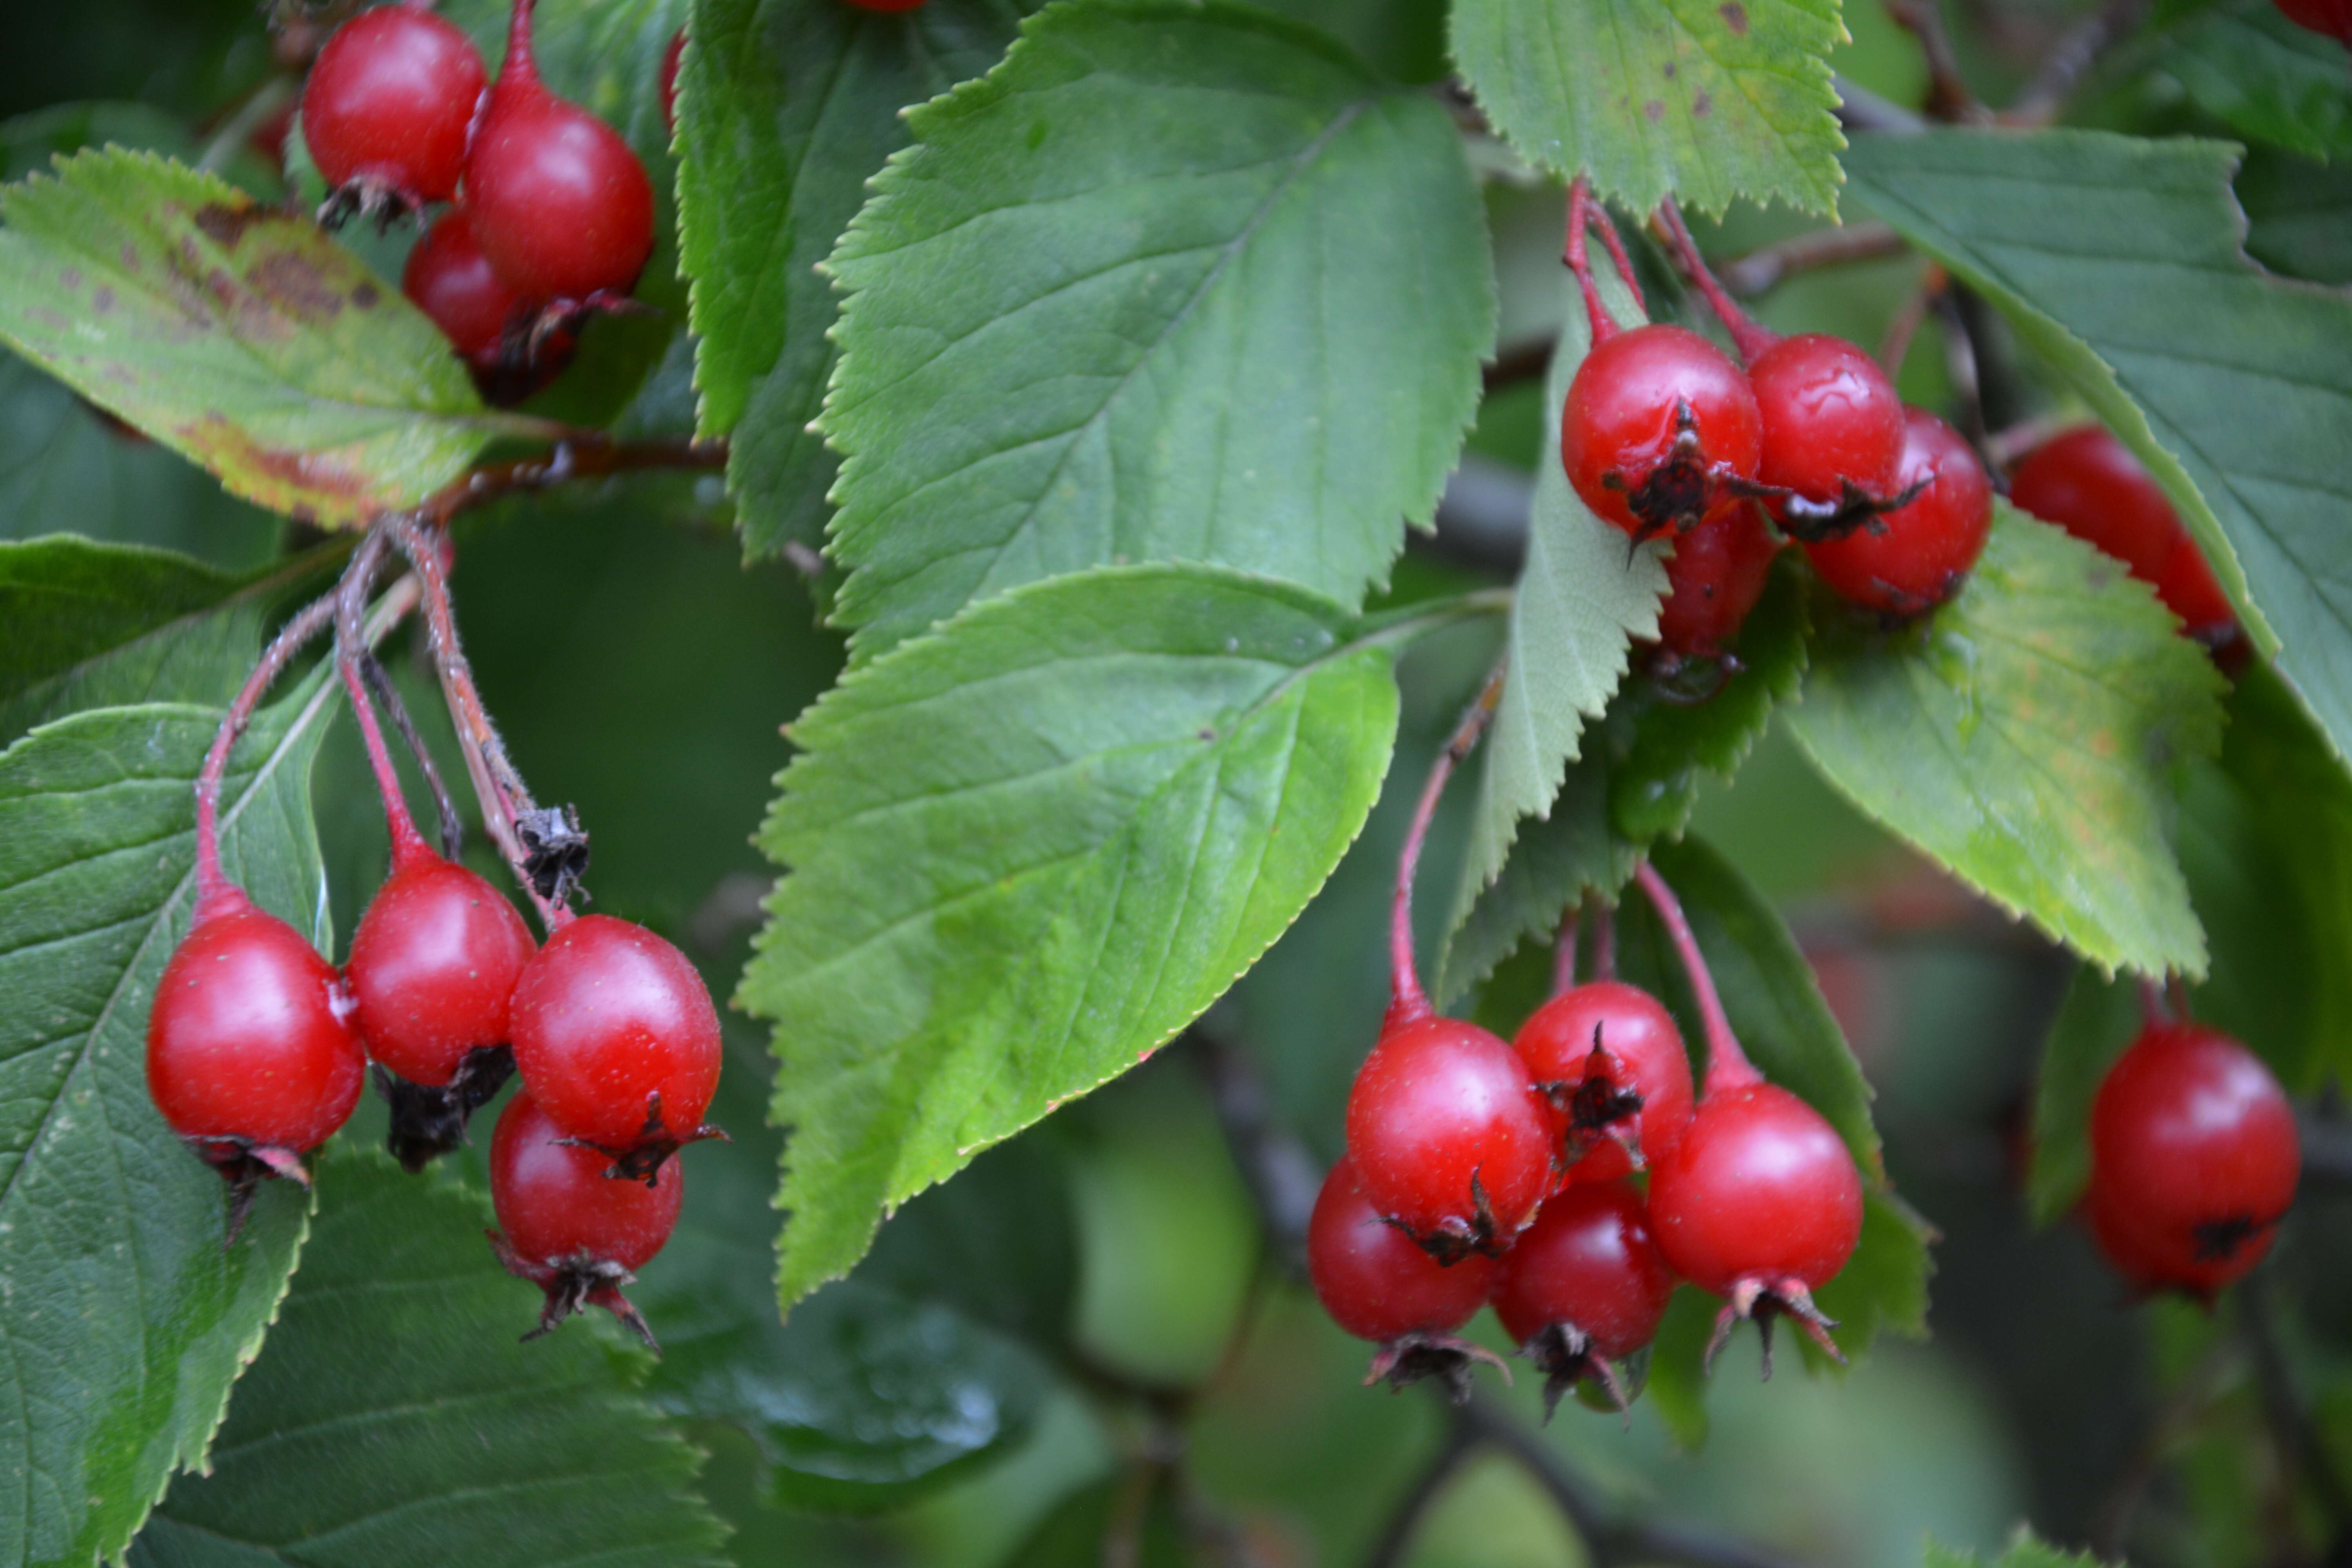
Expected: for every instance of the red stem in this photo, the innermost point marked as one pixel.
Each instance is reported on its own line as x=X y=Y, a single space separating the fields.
x=1751 y=336
x=1604 y=942
x=1604 y=325
x=216 y=894
x=1563 y=956
x=520 y=63
x=407 y=845
x=1616 y=244
x=1407 y=1000
x=1727 y=1066
x=2155 y=1008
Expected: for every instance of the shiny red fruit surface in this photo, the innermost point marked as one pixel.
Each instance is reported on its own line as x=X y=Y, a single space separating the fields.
x=556 y=1205
x=1759 y=1187
x=250 y=1036
x=434 y=965
x=606 y=1015
x=1648 y=1060
x=390 y=100
x=447 y=277
x=2091 y=485
x=2194 y=1159
x=1373 y=1279
x=1919 y=555
x=1621 y=422
x=2331 y=18
x=1714 y=577
x=1589 y=1260
x=1446 y=1132
x=1829 y=416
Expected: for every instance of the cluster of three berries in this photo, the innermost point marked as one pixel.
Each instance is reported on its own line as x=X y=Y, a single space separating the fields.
x=1663 y=431
x=554 y=213
x=1482 y=1171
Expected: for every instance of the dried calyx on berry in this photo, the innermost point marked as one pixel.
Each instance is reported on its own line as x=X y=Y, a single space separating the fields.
x=1378 y=1286
x=1915 y=555
x=386 y=112
x=512 y=343
x=1760 y=1202
x=566 y=1227
x=1609 y=1060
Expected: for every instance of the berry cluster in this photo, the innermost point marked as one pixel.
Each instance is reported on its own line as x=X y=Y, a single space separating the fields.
x=2194 y=1160
x=256 y=1047
x=553 y=217
x=1569 y=1175
x=1664 y=432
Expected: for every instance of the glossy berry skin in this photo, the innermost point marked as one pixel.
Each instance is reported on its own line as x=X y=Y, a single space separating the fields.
x=2194 y=1159
x=250 y=1040
x=448 y=278
x=1646 y=1057
x=556 y=1205
x=1448 y=1135
x=1714 y=578
x=1761 y=1187
x=1372 y=1278
x=1927 y=547
x=2089 y=484
x=1589 y=1260
x=1830 y=417
x=606 y=1015
x=434 y=965
x=2330 y=18
x=560 y=204
x=1621 y=425
x=390 y=100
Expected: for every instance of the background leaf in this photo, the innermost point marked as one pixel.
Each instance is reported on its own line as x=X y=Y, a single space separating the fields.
x=2027 y=736
x=1174 y=281
x=2118 y=261
x=2094 y=1024
x=2026 y=1550
x=1580 y=596
x=784 y=110
x=396 y=1418
x=2298 y=216
x=124 y=1318
x=1027 y=851
x=241 y=337
x=2266 y=77
x=1702 y=100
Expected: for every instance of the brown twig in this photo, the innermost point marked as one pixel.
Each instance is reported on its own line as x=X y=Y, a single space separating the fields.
x=1520 y=362
x=1948 y=98
x=1859 y=109
x=1763 y=269
x=2044 y=97
x=1396 y=1537
x=2300 y=1444
x=566 y=463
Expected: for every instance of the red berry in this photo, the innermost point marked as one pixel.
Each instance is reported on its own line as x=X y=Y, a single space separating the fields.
x=1610 y=1061
x=1831 y=420
x=1584 y=1286
x=2194 y=1159
x=1714 y=578
x=2089 y=484
x=1373 y=1279
x=389 y=104
x=251 y=1056
x=1448 y=1135
x=2331 y=18
x=1656 y=419
x=434 y=965
x=1759 y=1204
x=1910 y=560
x=560 y=204
x=670 y=56
x=449 y=279
x=614 y=1034
x=569 y=1228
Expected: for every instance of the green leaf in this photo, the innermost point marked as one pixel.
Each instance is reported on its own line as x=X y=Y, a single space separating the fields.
x=1693 y=99
x=99 y=625
x=2025 y=1551
x=2027 y=735
x=2118 y=259
x=239 y=336
x=2093 y=1024
x=784 y=110
x=395 y=1417
x=889 y=1383
x=1636 y=782
x=1581 y=597
x=122 y=1315
x=2298 y=216
x=1027 y=851
x=1175 y=281
x=2267 y=78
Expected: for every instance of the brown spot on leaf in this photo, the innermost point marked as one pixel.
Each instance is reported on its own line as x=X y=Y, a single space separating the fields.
x=41 y=315
x=295 y=282
x=71 y=277
x=1673 y=70
x=1702 y=105
x=366 y=295
x=130 y=258
x=231 y=451
x=225 y=225
x=103 y=300
x=1654 y=111
x=1735 y=16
